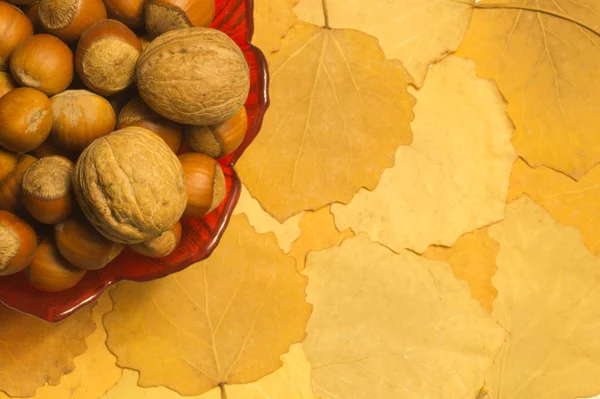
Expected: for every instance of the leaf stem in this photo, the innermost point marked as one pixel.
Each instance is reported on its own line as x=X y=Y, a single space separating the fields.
x=326 y=14
x=223 y=392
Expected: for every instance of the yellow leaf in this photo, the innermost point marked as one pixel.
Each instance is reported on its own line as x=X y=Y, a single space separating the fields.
x=292 y=381
x=272 y=20
x=453 y=178
x=318 y=232
x=547 y=68
x=95 y=370
x=569 y=202
x=262 y=222
x=548 y=301
x=389 y=325
x=225 y=320
x=34 y=352
x=473 y=259
x=417 y=32
x=339 y=112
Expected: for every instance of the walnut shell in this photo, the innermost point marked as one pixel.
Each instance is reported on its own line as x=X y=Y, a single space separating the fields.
x=194 y=76
x=130 y=186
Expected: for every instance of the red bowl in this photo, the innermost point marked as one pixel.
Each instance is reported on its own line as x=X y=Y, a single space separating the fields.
x=200 y=237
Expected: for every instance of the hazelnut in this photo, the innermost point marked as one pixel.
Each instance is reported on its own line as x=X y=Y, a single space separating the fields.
x=130 y=12
x=130 y=185
x=6 y=83
x=50 y=272
x=166 y=15
x=10 y=187
x=220 y=140
x=194 y=76
x=205 y=184
x=8 y=163
x=80 y=117
x=68 y=19
x=106 y=57
x=162 y=245
x=137 y=113
x=80 y=244
x=15 y=27
x=25 y=119
x=18 y=243
x=43 y=62
x=32 y=13
x=46 y=189
x=49 y=148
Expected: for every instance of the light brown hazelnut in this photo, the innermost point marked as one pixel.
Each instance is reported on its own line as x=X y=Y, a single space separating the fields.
x=130 y=12
x=15 y=27
x=25 y=119
x=68 y=19
x=220 y=140
x=106 y=57
x=18 y=243
x=80 y=244
x=10 y=187
x=137 y=113
x=166 y=15
x=6 y=83
x=43 y=62
x=205 y=184
x=130 y=185
x=8 y=163
x=46 y=190
x=162 y=245
x=80 y=117
x=50 y=272
x=194 y=76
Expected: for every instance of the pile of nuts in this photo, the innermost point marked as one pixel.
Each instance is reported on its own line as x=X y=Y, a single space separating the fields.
x=98 y=99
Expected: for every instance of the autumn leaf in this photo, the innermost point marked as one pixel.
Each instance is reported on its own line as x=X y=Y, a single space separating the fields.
x=262 y=222
x=473 y=259
x=546 y=65
x=225 y=320
x=272 y=20
x=339 y=111
x=548 y=299
x=392 y=325
x=318 y=232
x=34 y=352
x=292 y=381
x=453 y=178
x=417 y=32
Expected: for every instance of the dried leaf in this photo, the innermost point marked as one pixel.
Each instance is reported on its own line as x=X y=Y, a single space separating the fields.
x=225 y=320
x=473 y=259
x=95 y=370
x=569 y=202
x=318 y=232
x=339 y=111
x=392 y=325
x=453 y=178
x=286 y=232
x=547 y=68
x=548 y=301
x=416 y=32
x=292 y=381
x=272 y=20
x=34 y=352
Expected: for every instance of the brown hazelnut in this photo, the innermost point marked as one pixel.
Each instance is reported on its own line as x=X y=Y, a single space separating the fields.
x=50 y=272
x=220 y=140
x=80 y=244
x=10 y=187
x=25 y=119
x=43 y=62
x=137 y=113
x=166 y=15
x=32 y=14
x=80 y=117
x=106 y=57
x=6 y=83
x=162 y=245
x=180 y=78
x=68 y=19
x=8 y=163
x=15 y=27
x=46 y=189
x=130 y=12
x=130 y=185
x=49 y=149
x=18 y=243
x=205 y=184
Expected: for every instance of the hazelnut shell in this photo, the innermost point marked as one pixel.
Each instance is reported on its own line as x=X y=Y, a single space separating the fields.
x=15 y=27
x=50 y=272
x=166 y=15
x=18 y=243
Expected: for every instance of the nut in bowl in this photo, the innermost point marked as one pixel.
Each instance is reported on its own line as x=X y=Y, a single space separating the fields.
x=141 y=246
